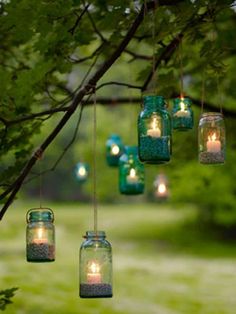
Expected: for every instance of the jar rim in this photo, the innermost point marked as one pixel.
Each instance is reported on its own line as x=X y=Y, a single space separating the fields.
x=40 y=214
x=211 y=114
x=94 y=234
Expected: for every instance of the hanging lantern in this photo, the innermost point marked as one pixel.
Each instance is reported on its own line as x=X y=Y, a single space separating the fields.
x=131 y=172
x=182 y=114
x=81 y=172
x=114 y=149
x=161 y=187
x=154 y=131
x=95 y=266
x=211 y=138
x=40 y=235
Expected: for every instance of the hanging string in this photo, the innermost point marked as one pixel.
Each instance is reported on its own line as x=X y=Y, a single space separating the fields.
x=203 y=92
x=181 y=68
x=219 y=94
x=154 y=75
x=95 y=210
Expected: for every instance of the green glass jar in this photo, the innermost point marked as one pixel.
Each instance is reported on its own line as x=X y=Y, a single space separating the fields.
x=182 y=114
x=81 y=172
x=154 y=131
x=95 y=266
x=211 y=138
x=114 y=149
x=131 y=172
x=40 y=235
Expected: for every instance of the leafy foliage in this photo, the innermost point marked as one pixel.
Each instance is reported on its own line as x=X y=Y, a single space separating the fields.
x=49 y=49
x=5 y=297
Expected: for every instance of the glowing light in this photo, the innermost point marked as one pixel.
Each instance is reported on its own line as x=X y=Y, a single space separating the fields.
x=115 y=150
x=162 y=188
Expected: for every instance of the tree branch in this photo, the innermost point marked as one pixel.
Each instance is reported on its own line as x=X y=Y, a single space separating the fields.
x=76 y=101
x=72 y=30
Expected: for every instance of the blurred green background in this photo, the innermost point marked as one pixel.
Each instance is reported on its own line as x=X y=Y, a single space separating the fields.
x=163 y=262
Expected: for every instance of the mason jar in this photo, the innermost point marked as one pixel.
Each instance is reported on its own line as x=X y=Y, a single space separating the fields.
x=182 y=114
x=40 y=235
x=114 y=149
x=95 y=266
x=154 y=131
x=131 y=172
x=211 y=138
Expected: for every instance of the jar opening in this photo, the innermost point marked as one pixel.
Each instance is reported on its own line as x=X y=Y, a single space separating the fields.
x=95 y=234
x=41 y=215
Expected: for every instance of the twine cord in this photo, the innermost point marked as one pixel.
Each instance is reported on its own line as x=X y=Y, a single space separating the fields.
x=203 y=92
x=95 y=210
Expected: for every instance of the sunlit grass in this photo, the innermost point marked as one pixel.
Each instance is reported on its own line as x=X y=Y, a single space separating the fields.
x=163 y=263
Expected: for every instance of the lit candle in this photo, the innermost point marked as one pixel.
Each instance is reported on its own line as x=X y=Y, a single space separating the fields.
x=94 y=276
x=82 y=171
x=115 y=150
x=213 y=146
x=154 y=131
x=161 y=188
x=40 y=236
x=132 y=177
x=182 y=112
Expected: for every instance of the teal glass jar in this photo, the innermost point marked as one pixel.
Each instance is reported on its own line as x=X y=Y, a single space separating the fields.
x=154 y=131
x=40 y=235
x=211 y=138
x=182 y=114
x=131 y=172
x=95 y=266
x=114 y=149
x=82 y=172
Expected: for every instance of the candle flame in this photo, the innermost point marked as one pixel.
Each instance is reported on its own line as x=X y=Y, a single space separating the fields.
x=115 y=150
x=132 y=173
x=162 y=188
x=212 y=138
x=94 y=268
x=40 y=233
x=82 y=171
x=182 y=105
x=154 y=123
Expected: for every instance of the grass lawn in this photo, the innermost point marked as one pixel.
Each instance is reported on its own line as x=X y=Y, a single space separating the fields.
x=162 y=262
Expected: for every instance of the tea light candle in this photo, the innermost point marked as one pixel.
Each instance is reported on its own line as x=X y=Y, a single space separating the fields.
x=40 y=237
x=94 y=276
x=132 y=177
x=213 y=145
x=154 y=131
x=115 y=150
x=182 y=112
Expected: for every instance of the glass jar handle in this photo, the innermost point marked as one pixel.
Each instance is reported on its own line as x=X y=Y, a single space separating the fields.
x=39 y=209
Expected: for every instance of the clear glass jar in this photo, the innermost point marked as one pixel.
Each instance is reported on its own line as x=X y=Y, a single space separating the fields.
x=211 y=138
x=81 y=172
x=131 y=172
x=114 y=149
x=95 y=266
x=40 y=235
x=154 y=131
x=182 y=114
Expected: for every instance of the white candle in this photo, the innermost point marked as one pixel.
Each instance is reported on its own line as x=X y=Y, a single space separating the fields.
x=154 y=131
x=115 y=150
x=40 y=236
x=182 y=112
x=132 y=177
x=94 y=276
x=213 y=146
